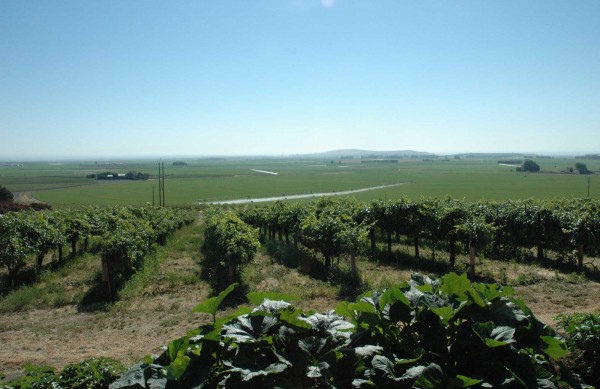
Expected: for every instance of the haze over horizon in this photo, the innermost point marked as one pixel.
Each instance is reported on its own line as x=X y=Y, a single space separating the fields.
x=123 y=79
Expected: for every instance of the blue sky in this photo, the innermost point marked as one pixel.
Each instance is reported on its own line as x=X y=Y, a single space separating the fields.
x=223 y=77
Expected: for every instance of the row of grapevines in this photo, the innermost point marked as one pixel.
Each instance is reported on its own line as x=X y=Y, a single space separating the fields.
x=501 y=228
x=123 y=234
x=228 y=244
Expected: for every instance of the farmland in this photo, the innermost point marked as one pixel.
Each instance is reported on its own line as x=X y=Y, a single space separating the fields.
x=206 y=180
x=50 y=315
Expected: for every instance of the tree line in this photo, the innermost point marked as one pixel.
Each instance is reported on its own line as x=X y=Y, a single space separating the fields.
x=135 y=176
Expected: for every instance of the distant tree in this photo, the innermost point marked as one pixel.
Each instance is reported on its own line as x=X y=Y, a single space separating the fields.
x=136 y=176
x=133 y=175
x=582 y=168
x=511 y=161
x=529 y=166
x=5 y=194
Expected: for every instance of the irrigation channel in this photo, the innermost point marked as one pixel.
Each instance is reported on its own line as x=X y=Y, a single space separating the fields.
x=299 y=196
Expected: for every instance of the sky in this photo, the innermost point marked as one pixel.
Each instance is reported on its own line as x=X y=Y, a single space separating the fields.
x=112 y=78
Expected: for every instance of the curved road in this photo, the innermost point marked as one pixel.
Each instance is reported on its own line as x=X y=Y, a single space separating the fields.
x=300 y=196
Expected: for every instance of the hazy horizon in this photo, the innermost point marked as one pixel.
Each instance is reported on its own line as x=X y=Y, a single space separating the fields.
x=145 y=157
x=114 y=79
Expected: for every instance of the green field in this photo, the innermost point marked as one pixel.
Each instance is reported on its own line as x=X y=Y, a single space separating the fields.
x=206 y=180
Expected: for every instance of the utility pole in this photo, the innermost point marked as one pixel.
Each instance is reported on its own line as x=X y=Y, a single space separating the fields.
x=152 y=196
x=159 y=187
x=589 y=180
x=163 y=184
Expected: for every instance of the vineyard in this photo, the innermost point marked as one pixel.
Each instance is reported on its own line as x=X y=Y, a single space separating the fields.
x=562 y=231
x=425 y=332
x=121 y=236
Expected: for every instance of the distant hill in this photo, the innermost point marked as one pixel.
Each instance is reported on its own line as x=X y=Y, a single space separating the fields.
x=358 y=154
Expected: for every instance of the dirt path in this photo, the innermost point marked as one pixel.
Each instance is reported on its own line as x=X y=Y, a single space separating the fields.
x=63 y=335
x=550 y=298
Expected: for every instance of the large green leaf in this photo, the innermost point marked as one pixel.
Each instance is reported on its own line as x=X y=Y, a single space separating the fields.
x=468 y=381
x=477 y=297
x=414 y=296
x=248 y=373
x=352 y=310
x=556 y=348
x=431 y=377
x=330 y=323
x=320 y=354
x=384 y=368
x=177 y=348
x=418 y=279
x=367 y=351
x=445 y=313
x=250 y=329
x=243 y=310
x=391 y=296
x=270 y=307
x=492 y=292
x=505 y=312
x=292 y=318
x=315 y=371
x=455 y=285
x=211 y=305
x=403 y=361
x=494 y=336
x=395 y=306
x=257 y=297
x=132 y=379
x=178 y=367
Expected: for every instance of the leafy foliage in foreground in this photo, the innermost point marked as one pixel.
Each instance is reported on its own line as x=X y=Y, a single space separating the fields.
x=425 y=333
x=583 y=337
x=90 y=374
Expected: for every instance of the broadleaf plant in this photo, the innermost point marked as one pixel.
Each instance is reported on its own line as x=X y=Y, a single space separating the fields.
x=425 y=333
x=211 y=305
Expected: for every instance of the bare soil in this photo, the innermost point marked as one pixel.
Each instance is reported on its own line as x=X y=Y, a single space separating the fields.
x=550 y=298
x=127 y=332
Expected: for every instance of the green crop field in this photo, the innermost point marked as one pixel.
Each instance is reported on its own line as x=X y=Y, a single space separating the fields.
x=206 y=180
